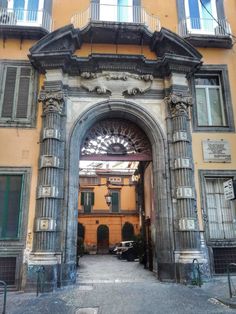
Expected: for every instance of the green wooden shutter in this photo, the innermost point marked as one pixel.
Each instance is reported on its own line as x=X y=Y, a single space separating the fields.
x=115 y=202
x=10 y=201
x=9 y=92
x=82 y=198
x=92 y=198
x=23 y=93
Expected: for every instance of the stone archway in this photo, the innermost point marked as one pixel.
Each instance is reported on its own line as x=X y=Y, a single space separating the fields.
x=136 y=114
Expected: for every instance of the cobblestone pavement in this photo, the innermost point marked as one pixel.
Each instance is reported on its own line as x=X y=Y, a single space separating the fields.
x=106 y=285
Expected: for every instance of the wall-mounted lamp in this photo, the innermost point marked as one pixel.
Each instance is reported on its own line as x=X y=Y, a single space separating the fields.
x=108 y=196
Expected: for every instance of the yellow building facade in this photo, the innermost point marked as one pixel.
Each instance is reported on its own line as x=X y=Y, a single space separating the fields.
x=111 y=220
x=150 y=81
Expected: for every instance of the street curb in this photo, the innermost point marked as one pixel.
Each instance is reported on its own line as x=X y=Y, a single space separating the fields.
x=229 y=302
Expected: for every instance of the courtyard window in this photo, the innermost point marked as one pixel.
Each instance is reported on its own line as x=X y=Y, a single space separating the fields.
x=87 y=201
x=18 y=83
x=10 y=205
x=115 y=201
x=210 y=108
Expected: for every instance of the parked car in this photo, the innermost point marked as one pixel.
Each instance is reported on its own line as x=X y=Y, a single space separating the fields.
x=123 y=247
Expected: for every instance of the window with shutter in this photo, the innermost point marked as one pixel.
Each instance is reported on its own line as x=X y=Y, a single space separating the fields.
x=18 y=84
x=115 y=201
x=10 y=205
x=87 y=201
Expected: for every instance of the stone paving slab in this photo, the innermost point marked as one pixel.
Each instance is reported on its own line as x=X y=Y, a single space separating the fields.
x=141 y=294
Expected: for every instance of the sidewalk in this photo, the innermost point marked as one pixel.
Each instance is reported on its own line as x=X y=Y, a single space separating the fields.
x=106 y=285
x=218 y=288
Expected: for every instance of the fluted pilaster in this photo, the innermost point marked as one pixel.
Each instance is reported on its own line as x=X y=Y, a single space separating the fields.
x=50 y=173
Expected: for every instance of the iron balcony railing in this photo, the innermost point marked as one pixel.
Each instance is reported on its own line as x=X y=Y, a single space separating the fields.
x=199 y=26
x=21 y=17
x=121 y=13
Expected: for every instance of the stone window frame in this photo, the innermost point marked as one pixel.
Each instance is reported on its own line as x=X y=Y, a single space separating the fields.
x=220 y=70
x=30 y=121
x=25 y=195
x=212 y=174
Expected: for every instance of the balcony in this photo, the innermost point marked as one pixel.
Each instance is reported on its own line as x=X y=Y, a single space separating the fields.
x=206 y=32
x=113 y=13
x=24 y=23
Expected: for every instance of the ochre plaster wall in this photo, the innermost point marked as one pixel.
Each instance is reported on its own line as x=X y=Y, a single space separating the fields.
x=127 y=196
x=114 y=224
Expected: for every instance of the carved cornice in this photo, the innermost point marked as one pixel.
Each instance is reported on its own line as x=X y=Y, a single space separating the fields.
x=178 y=104
x=53 y=101
x=106 y=82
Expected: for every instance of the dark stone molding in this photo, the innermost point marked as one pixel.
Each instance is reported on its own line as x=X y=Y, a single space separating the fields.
x=167 y=41
x=213 y=41
x=22 y=32
x=57 y=48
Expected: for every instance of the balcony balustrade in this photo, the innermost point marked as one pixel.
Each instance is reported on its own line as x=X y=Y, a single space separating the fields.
x=197 y=26
x=121 y=13
x=20 y=17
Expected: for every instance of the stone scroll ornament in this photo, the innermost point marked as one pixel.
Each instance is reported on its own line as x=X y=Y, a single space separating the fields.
x=106 y=82
x=52 y=101
x=178 y=104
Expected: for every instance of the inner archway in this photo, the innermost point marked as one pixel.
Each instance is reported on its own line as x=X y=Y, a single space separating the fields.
x=138 y=116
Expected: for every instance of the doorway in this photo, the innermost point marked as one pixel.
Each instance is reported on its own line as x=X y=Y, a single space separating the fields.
x=102 y=239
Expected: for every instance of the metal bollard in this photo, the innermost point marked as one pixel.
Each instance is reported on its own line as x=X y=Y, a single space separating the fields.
x=197 y=281
x=229 y=279
x=40 y=273
x=5 y=296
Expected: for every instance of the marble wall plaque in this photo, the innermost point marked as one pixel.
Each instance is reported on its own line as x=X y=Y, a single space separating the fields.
x=216 y=151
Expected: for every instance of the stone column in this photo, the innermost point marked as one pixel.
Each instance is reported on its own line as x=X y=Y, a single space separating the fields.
x=187 y=235
x=47 y=228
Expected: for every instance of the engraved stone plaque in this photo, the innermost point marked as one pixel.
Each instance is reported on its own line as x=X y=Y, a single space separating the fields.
x=216 y=151
x=180 y=136
x=45 y=224
x=187 y=224
x=182 y=163
x=47 y=191
x=49 y=161
x=184 y=192
x=51 y=133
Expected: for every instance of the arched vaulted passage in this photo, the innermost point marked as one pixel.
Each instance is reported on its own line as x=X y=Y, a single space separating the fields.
x=132 y=112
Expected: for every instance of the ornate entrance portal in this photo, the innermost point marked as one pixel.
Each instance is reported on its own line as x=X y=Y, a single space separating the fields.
x=137 y=109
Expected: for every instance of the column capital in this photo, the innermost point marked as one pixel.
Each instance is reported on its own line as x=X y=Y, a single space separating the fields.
x=53 y=101
x=178 y=103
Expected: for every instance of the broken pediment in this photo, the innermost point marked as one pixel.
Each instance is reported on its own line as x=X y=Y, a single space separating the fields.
x=56 y=51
